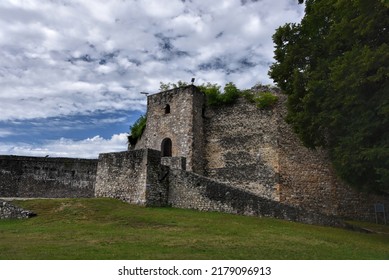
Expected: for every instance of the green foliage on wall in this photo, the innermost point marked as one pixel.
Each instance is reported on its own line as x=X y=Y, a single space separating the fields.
x=136 y=130
x=334 y=68
x=166 y=86
x=265 y=100
x=214 y=95
x=216 y=98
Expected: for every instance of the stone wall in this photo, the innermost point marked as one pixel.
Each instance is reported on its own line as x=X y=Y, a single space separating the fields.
x=11 y=211
x=176 y=114
x=122 y=175
x=139 y=177
x=198 y=137
x=174 y=162
x=136 y=177
x=46 y=177
x=252 y=149
x=241 y=147
x=157 y=183
x=192 y=191
x=257 y=151
x=308 y=179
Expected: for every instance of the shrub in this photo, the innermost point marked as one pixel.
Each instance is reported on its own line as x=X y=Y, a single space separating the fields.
x=167 y=86
x=212 y=93
x=231 y=93
x=248 y=95
x=215 y=97
x=265 y=100
x=136 y=130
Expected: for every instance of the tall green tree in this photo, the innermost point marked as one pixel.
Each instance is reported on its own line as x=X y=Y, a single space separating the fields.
x=334 y=67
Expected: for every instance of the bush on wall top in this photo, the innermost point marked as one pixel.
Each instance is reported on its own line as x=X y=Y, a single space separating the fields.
x=215 y=97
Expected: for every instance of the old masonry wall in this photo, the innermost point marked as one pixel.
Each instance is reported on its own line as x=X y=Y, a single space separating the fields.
x=136 y=177
x=256 y=150
x=176 y=115
x=46 y=177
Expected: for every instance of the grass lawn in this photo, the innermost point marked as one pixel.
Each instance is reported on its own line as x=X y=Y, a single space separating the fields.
x=110 y=229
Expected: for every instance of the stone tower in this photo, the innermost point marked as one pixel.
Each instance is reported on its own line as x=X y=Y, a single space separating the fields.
x=175 y=126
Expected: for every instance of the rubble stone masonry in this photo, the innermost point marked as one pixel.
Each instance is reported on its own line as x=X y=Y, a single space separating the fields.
x=46 y=177
x=136 y=177
x=176 y=115
x=231 y=158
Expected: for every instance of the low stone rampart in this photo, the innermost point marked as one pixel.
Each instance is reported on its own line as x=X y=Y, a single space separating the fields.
x=46 y=177
x=192 y=191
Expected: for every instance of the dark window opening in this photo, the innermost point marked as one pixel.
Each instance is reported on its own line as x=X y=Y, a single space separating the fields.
x=167 y=109
x=166 y=147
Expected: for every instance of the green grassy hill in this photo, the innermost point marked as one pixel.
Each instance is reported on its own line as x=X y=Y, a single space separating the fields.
x=110 y=229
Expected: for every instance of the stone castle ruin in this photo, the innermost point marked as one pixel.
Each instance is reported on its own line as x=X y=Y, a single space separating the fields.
x=232 y=158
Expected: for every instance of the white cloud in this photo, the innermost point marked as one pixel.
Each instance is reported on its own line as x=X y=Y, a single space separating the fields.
x=63 y=58
x=161 y=9
x=87 y=148
x=5 y=133
x=47 y=45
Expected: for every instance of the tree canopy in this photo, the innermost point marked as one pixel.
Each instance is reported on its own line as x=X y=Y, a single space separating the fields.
x=334 y=67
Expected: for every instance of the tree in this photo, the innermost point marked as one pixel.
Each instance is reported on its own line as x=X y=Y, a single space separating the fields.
x=334 y=67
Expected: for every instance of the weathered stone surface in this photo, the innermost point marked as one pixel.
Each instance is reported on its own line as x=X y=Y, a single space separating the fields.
x=46 y=177
x=136 y=177
x=190 y=190
x=256 y=150
x=174 y=162
x=122 y=176
x=11 y=211
x=183 y=124
x=307 y=179
x=241 y=147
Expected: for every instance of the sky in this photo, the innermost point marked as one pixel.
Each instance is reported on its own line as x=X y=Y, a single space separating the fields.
x=71 y=72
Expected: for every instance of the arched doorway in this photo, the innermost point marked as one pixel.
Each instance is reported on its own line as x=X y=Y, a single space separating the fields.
x=166 y=147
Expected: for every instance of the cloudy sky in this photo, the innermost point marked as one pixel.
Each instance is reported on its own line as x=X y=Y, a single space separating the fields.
x=71 y=71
